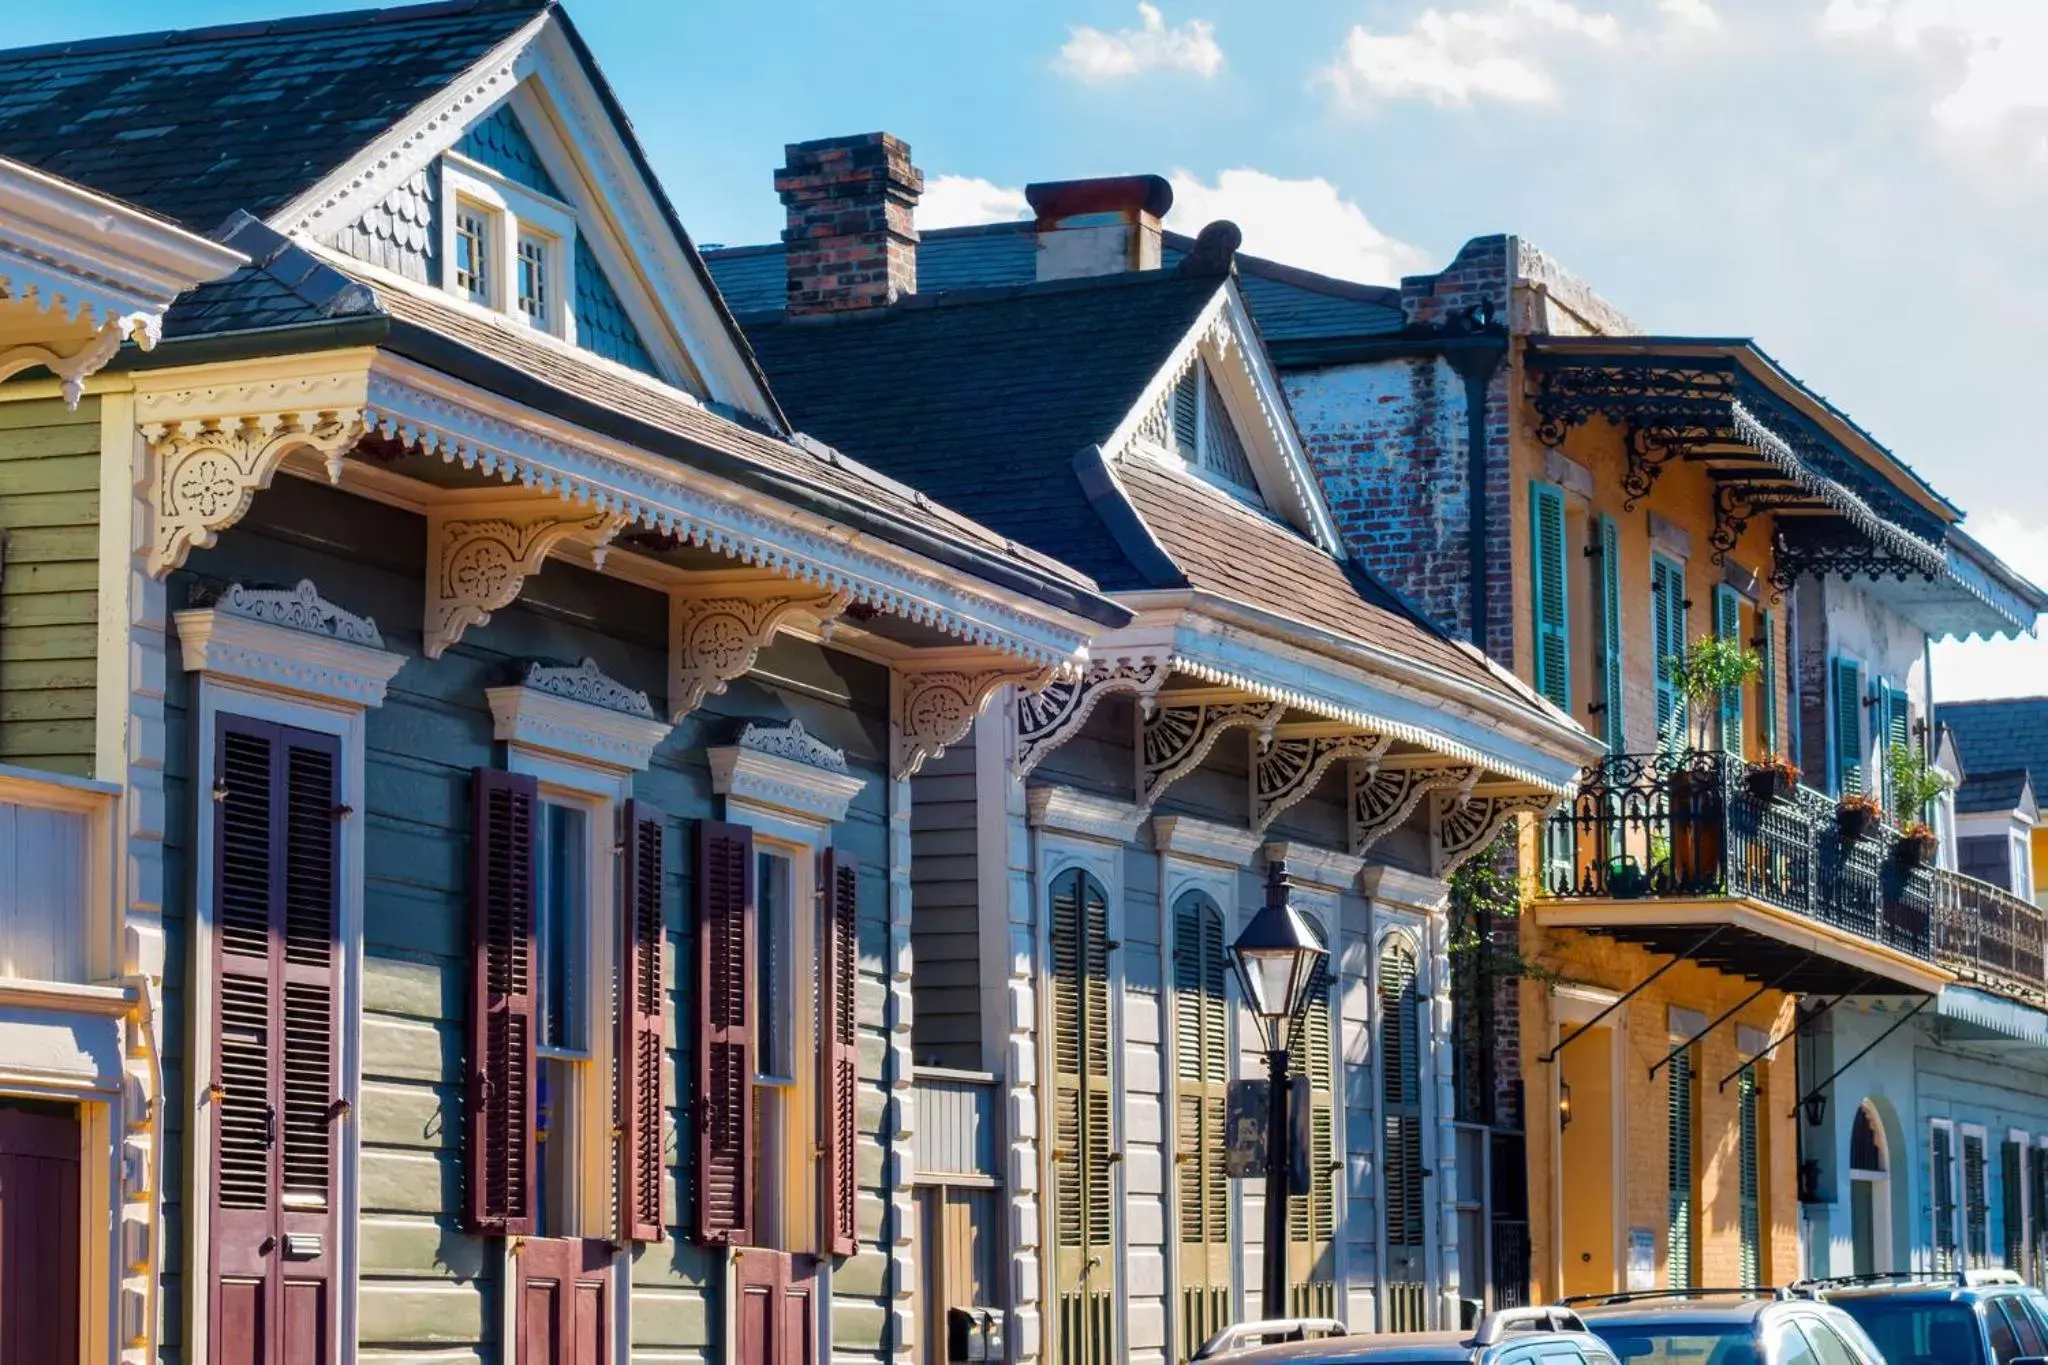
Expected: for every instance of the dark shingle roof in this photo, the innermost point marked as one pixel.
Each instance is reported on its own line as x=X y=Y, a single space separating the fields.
x=2008 y=734
x=284 y=285
x=1991 y=791
x=198 y=123
x=983 y=398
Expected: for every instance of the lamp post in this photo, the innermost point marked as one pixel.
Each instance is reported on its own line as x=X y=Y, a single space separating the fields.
x=1277 y=956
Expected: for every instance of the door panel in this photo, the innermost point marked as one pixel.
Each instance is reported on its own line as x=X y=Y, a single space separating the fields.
x=38 y=1236
x=564 y=1297
x=777 y=1321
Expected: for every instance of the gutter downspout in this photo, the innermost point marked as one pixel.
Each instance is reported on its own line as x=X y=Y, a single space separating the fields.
x=1475 y=363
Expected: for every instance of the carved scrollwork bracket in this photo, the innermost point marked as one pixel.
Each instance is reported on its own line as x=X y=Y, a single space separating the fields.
x=203 y=473
x=1048 y=718
x=1286 y=771
x=479 y=557
x=72 y=368
x=936 y=706
x=717 y=632
x=1173 y=740
x=1462 y=825
x=1385 y=794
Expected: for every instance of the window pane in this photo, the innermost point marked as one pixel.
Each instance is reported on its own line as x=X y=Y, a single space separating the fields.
x=773 y=954
x=1831 y=1349
x=563 y=893
x=533 y=280
x=2022 y=1325
x=2004 y=1345
x=472 y=252
x=555 y=1109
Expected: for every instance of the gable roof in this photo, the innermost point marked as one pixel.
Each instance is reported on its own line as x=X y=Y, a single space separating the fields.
x=197 y=123
x=1990 y=792
x=2003 y=735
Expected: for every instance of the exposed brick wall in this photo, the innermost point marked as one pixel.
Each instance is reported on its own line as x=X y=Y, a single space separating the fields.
x=851 y=232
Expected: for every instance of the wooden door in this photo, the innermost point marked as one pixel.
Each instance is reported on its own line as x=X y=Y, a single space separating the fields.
x=775 y=1318
x=38 y=1236
x=276 y=884
x=564 y=1294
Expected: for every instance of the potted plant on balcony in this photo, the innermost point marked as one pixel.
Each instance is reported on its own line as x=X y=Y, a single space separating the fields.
x=1709 y=668
x=1855 y=814
x=1915 y=785
x=1772 y=777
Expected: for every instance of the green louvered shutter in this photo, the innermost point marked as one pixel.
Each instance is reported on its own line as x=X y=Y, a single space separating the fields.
x=1667 y=642
x=1767 y=681
x=1402 y=1203
x=1608 y=593
x=1845 y=706
x=1201 y=1033
x=1749 y=1183
x=1083 y=1219
x=1678 y=1237
x=1728 y=627
x=1553 y=615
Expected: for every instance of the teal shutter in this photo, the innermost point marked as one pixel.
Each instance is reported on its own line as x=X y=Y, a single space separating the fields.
x=1845 y=729
x=1547 y=591
x=1667 y=643
x=1678 y=1231
x=1767 y=681
x=1749 y=1184
x=1728 y=627
x=1894 y=727
x=1607 y=592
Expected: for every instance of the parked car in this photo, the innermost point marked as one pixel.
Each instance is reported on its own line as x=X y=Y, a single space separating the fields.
x=1513 y=1336
x=1976 y=1317
x=1726 y=1327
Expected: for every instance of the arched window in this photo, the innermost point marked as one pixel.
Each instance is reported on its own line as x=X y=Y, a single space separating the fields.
x=1084 y=1254
x=1201 y=1098
x=1312 y=1215
x=1401 y=1199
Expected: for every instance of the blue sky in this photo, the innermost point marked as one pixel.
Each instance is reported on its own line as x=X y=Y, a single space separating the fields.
x=1862 y=185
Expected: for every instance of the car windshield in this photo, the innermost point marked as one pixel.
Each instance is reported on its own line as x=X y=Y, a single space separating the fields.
x=1681 y=1343
x=1918 y=1333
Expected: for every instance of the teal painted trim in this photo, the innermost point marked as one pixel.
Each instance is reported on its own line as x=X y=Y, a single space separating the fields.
x=602 y=325
x=498 y=141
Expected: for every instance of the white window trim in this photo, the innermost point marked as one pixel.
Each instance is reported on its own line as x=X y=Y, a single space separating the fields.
x=514 y=207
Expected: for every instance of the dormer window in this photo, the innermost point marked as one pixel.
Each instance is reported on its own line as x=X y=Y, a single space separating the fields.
x=472 y=257
x=534 y=292
x=1204 y=437
x=508 y=247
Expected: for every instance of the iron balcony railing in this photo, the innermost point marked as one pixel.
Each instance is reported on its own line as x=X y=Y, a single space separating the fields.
x=1989 y=937
x=1694 y=823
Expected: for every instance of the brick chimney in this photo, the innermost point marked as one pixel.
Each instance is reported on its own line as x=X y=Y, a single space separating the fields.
x=852 y=235
x=1098 y=227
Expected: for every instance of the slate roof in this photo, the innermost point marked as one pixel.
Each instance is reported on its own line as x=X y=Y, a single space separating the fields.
x=197 y=123
x=1286 y=303
x=2005 y=735
x=1988 y=792
x=284 y=285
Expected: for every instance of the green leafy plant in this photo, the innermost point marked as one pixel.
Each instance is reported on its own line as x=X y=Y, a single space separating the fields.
x=1915 y=783
x=1709 y=667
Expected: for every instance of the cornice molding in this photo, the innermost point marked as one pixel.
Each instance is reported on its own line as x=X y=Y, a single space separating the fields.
x=1184 y=836
x=937 y=702
x=782 y=767
x=1403 y=889
x=1063 y=810
x=589 y=684
x=298 y=608
x=1319 y=867
x=596 y=735
x=280 y=658
x=717 y=631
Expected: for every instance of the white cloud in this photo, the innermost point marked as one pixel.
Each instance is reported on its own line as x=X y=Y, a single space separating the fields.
x=1451 y=59
x=1969 y=669
x=1989 y=54
x=1696 y=15
x=1305 y=223
x=1093 y=55
x=960 y=200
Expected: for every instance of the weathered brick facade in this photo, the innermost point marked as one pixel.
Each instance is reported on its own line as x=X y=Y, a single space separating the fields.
x=851 y=230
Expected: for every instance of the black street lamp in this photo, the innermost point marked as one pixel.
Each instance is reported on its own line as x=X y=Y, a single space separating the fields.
x=1277 y=956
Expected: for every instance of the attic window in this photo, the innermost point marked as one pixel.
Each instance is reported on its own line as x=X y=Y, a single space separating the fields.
x=1204 y=436
x=508 y=247
x=472 y=253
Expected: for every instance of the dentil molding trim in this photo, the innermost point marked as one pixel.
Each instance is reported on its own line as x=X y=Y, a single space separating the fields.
x=783 y=767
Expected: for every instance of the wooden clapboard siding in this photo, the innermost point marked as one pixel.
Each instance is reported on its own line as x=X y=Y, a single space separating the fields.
x=945 y=924
x=428 y=1292
x=49 y=582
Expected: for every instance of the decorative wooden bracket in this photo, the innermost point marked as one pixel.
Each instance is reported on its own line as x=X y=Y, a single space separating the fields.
x=1173 y=740
x=936 y=703
x=73 y=368
x=1386 y=793
x=1049 y=718
x=718 y=629
x=1286 y=771
x=202 y=474
x=1462 y=825
x=480 y=551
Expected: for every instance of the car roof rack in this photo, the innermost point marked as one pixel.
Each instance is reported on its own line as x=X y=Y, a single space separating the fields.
x=1239 y=1335
x=1645 y=1295
x=1507 y=1322
x=1988 y=1275
x=1961 y=1279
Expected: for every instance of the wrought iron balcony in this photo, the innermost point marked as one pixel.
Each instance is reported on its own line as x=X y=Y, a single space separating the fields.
x=1989 y=937
x=1693 y=826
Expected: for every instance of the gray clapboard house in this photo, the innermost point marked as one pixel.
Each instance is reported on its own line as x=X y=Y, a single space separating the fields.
x=497 y=725
x=1094 y=851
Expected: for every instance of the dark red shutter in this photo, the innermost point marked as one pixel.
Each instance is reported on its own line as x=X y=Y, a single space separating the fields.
x=562 y=1286
x=500 y=1194
x=725 y=1041
x=838 y=1054
x=641 y=1049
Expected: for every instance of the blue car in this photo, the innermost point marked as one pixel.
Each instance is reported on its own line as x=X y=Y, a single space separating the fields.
x=1727 y=1327
x=1979 y=1317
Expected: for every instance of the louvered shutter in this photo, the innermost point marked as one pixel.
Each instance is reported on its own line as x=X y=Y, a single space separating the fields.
x=2037 y=1191
x=724 y=888
x=1845 y=707
x=1749 y=1181
x=1547 y=592
x=1679 y=1203
x=502 y=1091
x=1608 y=594
x=1976 y=1203
x=1941 y=1157
x=2012 y=1184
x=1083 y=1219
x=1187 y=404
x=839 y=1053
x=1728 y=628
x=1767 y=681
x=1895 y=727
x=1401 y=1119
x=1201 y=1033
x=642 y=1050
x=1667 y=643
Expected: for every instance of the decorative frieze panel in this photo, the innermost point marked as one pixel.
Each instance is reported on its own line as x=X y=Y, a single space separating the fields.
x=1173 y=740
x=716 y=632
x=783 y=767
x=480 y=554
x=1386 y=793
x=580 y=713
x=1286 y=771
x=1047 y=719
x=1463 y=824
x=936 y=705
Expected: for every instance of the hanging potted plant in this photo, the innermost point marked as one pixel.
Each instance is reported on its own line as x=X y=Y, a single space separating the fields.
x=1709 y=669
x=1856 y=814
x=1916 y=784
x=1772 y=777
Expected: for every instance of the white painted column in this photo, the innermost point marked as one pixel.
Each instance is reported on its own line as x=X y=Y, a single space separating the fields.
x=899 y=1122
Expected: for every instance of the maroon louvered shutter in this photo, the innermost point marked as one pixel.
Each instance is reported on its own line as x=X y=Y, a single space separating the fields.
x=500 y=1152
x=838 y=1062
x=725 y=1042
x=640 y=1033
